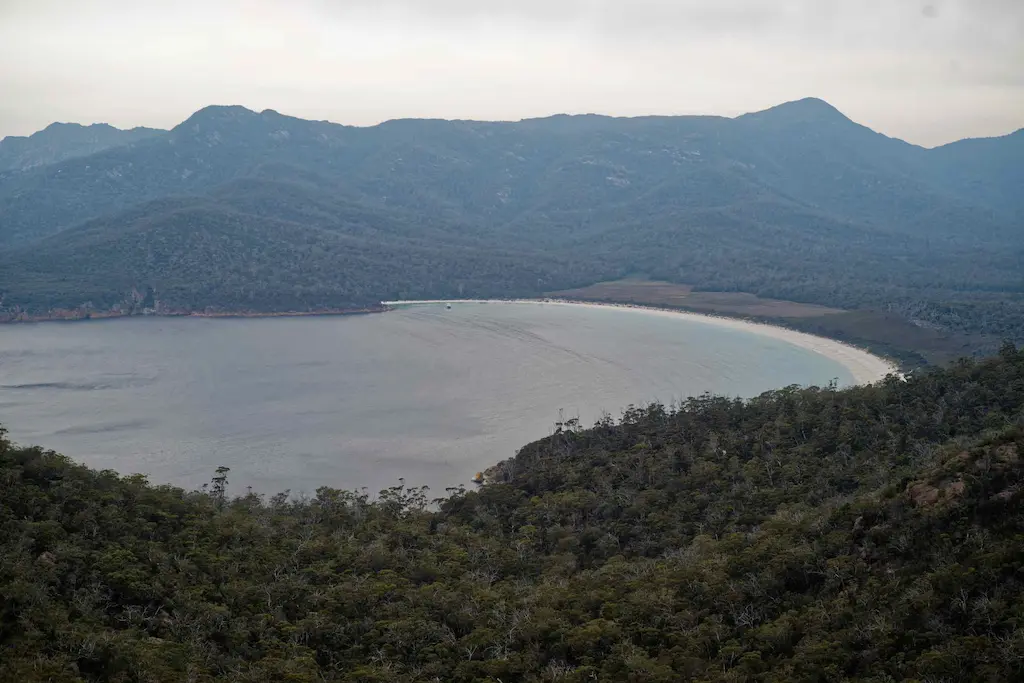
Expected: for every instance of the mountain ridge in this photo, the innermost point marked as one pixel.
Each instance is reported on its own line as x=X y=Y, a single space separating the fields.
x=317 y=133
x=809 y=103
x=61 y=141
x=797 y=194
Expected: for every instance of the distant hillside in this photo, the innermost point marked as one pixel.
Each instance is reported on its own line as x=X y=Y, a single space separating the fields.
x=505 y=173
x=868 y=535
x=245 y=249
x=796 y=202
x=986 y=170
x=61 y=141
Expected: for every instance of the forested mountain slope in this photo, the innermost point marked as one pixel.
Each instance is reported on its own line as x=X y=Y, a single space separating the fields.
x=274 y=241
x=986 y=170
x=196 y=254
x=805 y=151
x=796 y=202
x=60 y=141
x=870 y=534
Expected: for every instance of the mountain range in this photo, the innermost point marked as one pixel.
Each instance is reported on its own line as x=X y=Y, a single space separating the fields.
x=236 y=210
x=60 y=141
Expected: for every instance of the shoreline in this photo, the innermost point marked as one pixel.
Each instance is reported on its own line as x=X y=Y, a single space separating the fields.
x=864 y=366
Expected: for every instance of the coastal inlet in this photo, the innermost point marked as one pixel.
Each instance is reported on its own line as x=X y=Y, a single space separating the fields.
x=425 y=392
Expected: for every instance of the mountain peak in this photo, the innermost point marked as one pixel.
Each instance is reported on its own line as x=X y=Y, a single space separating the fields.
x=217 y=113
x=811 y=104
x=72 y=124
x=60 y=125
x=806 y=110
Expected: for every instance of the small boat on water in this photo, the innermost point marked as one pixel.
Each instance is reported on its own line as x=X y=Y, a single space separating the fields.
x=478 y=478
x=448 y=306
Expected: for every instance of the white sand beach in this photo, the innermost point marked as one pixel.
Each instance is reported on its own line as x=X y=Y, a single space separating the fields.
x=864 y=366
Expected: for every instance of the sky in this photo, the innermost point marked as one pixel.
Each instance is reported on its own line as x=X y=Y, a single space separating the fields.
x=927 y=71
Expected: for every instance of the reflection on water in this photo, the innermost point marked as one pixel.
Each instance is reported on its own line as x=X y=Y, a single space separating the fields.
x=424 y=393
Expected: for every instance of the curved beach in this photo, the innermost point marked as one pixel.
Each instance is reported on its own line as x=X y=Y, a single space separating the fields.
x=864 y=366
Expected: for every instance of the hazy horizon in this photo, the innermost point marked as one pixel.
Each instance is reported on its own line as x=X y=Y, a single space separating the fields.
x=925 y=71
x=368 y=125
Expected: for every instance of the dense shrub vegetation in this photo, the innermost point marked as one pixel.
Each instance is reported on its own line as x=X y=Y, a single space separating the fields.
x=870 y=534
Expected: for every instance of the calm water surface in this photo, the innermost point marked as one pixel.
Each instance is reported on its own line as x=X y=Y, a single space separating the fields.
x=424 y=393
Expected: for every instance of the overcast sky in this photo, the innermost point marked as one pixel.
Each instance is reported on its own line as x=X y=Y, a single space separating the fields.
x=928 y=71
